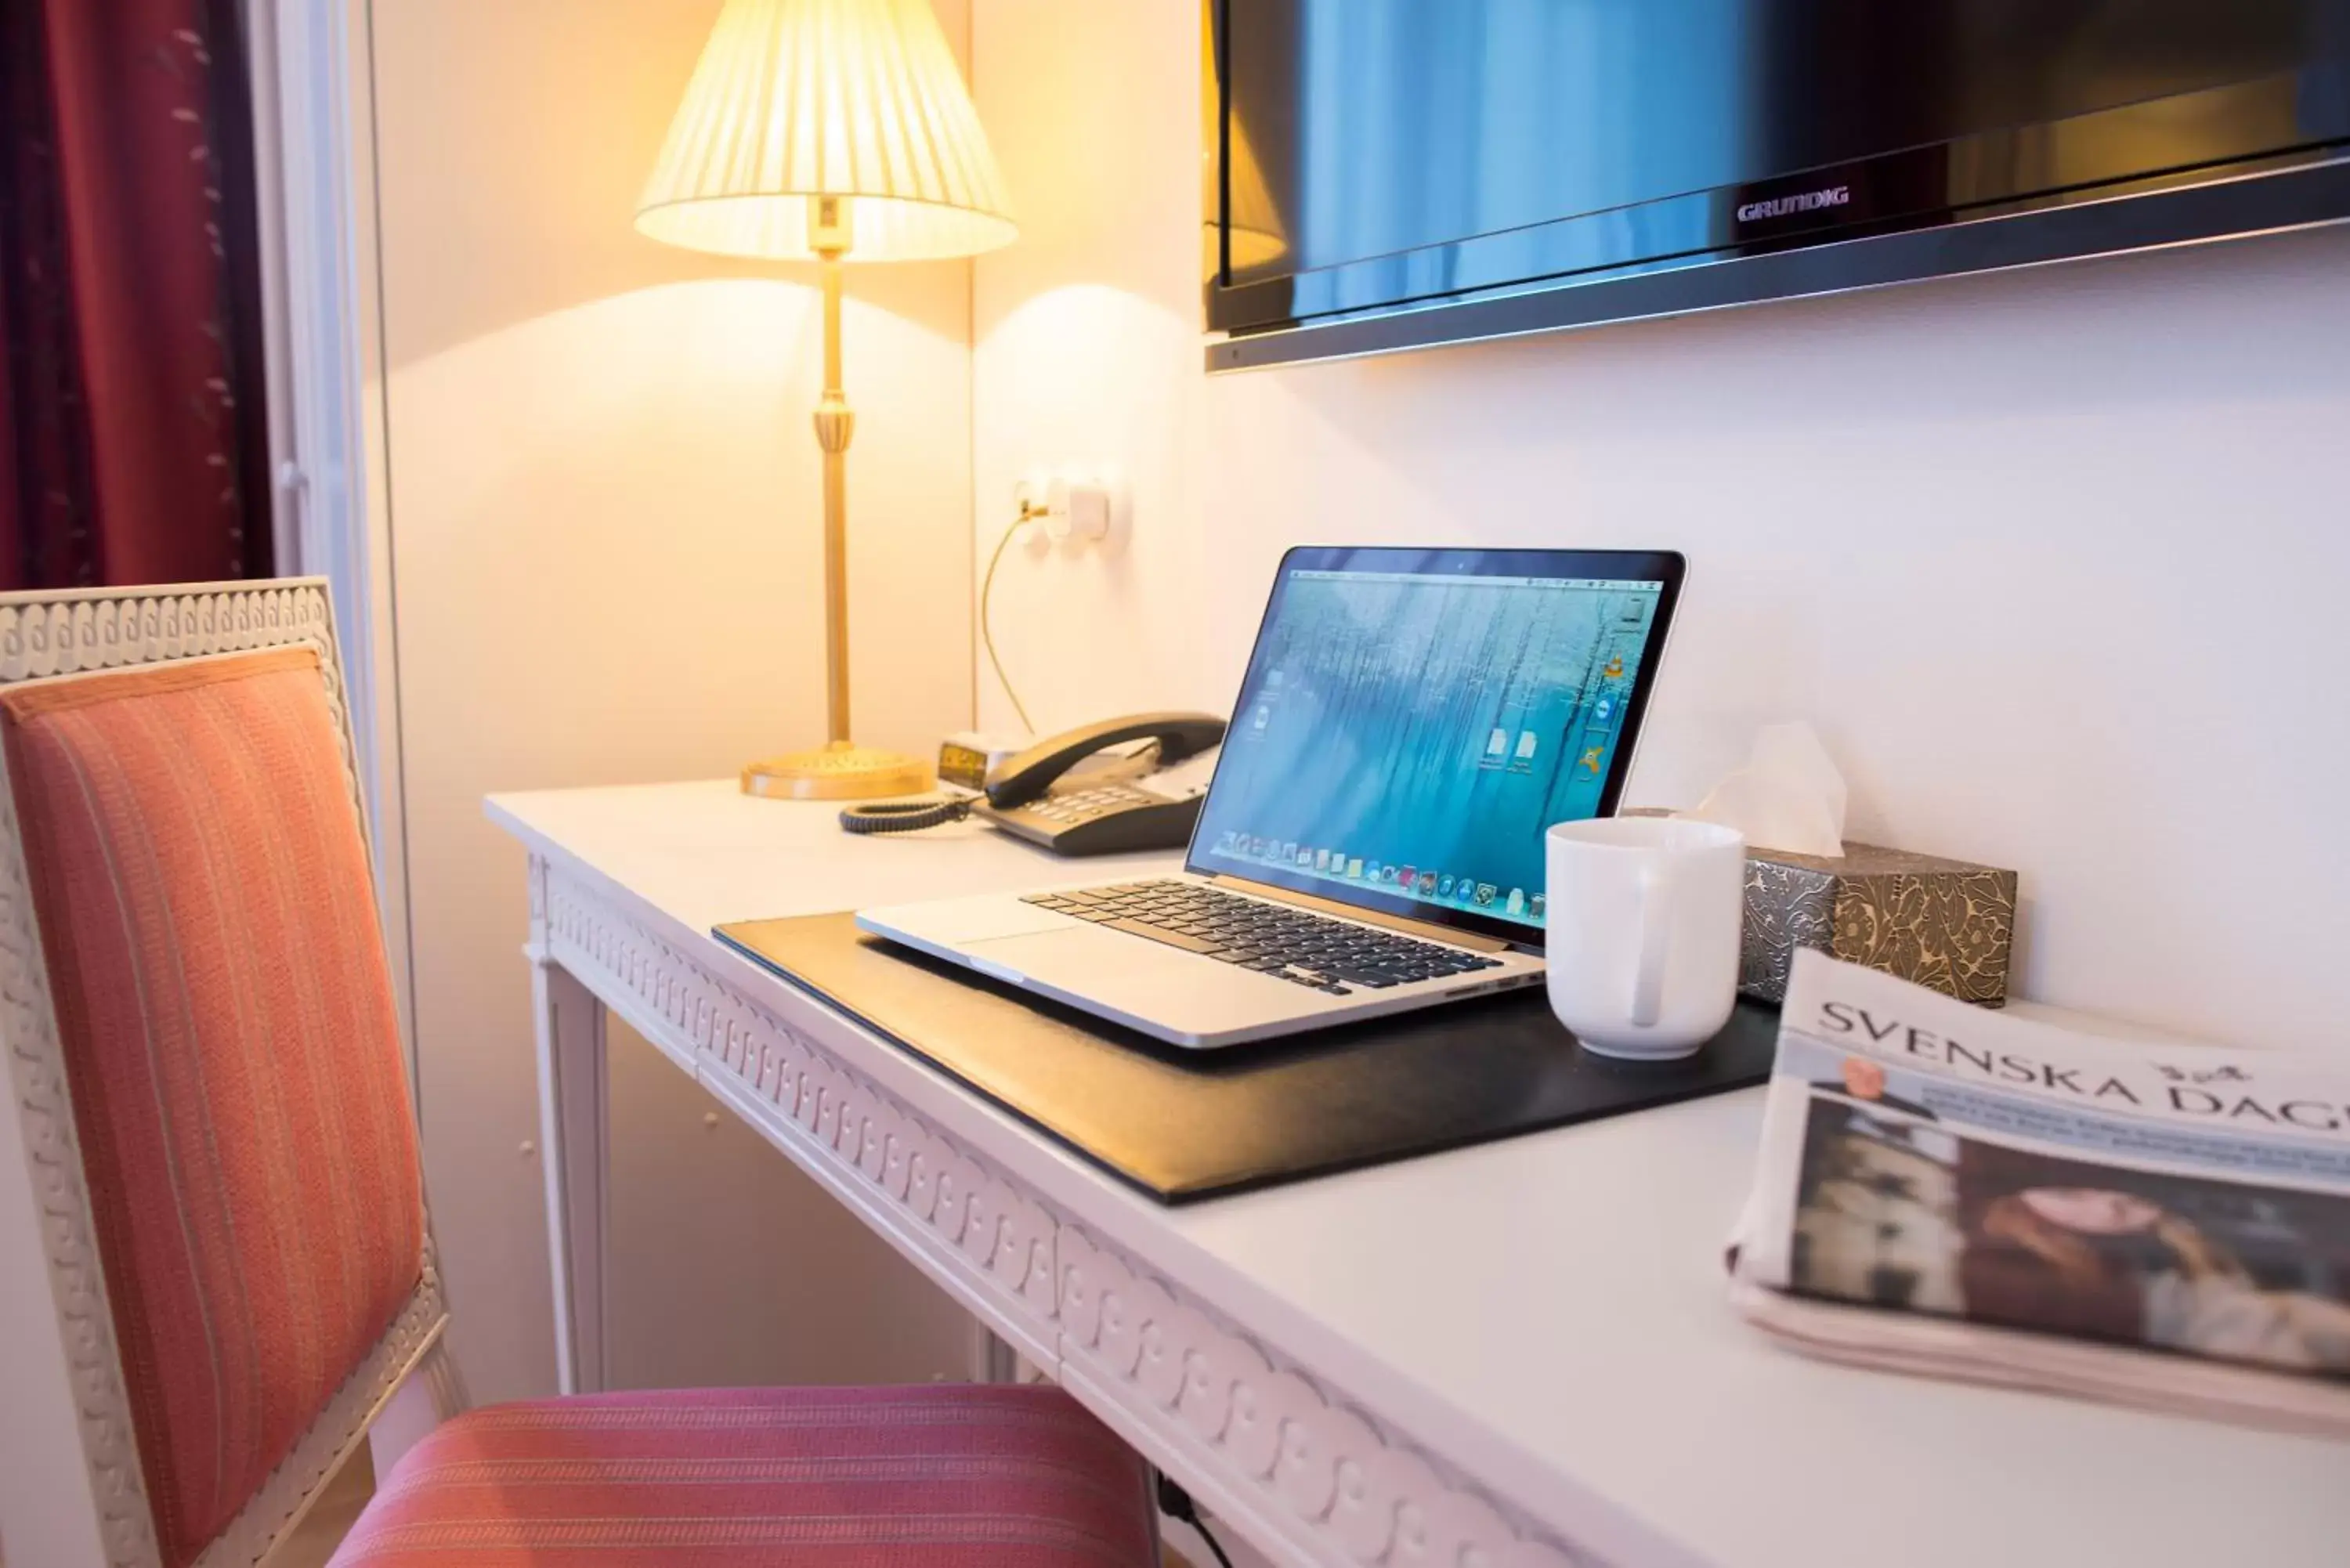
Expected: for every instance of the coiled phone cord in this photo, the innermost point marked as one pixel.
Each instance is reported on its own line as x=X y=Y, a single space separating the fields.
x=903 y=815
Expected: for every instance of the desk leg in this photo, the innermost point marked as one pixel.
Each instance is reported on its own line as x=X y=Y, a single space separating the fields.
x=572 y=1131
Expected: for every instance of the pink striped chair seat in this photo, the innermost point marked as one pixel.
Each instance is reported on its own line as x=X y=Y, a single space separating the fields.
x=943 y=1476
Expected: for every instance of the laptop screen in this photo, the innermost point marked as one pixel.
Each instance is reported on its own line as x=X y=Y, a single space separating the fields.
x=1412 y=720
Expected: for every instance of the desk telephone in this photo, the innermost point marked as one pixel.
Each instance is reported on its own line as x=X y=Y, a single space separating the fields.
x=1148 y=801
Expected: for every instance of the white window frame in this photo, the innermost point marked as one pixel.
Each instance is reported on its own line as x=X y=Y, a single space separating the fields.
x=309 y=180
x=298 y=59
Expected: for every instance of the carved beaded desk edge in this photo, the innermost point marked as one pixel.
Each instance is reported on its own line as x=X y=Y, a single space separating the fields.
x=1297 y=1464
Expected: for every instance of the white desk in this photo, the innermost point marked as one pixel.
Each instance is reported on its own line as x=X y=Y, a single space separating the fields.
x=1498 y=1358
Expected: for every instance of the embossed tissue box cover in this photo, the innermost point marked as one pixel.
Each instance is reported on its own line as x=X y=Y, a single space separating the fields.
x=1946 y=924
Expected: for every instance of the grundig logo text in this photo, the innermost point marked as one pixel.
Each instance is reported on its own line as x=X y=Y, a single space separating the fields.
x=1786 y=206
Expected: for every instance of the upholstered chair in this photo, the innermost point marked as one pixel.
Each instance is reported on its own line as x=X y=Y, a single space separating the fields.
x=215 y=1259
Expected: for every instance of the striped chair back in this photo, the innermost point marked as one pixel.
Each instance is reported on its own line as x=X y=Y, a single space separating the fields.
x=209 y=1088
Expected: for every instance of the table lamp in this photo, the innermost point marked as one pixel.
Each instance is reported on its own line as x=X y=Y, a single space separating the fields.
x=827 y=129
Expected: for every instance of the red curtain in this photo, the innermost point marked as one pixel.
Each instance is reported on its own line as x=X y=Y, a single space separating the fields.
x=133 y=422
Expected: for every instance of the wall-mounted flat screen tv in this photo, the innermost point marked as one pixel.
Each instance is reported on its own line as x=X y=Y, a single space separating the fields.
x=1386 y=174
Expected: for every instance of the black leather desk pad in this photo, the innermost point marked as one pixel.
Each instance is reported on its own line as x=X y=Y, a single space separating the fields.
x=1186 y=1124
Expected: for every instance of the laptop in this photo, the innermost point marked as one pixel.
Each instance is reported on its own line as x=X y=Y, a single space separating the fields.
x=1411 y=723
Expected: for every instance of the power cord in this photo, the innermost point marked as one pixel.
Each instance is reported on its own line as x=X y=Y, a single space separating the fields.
x=1177 y=1504
x=1029 y=513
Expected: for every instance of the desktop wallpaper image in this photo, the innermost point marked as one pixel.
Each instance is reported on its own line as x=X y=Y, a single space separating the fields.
x=1419 y=733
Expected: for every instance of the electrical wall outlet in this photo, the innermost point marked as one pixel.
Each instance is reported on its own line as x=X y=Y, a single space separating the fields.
x=1078 y=508
x=1028 y=508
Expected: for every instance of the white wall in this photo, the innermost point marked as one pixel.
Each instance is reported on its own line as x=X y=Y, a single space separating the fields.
x=2055 y=560
x=603 y=529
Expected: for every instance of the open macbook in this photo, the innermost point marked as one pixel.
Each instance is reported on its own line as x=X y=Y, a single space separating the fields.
x=1410 y=722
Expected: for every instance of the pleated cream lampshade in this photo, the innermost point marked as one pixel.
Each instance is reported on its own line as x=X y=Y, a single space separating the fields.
x=802 y=98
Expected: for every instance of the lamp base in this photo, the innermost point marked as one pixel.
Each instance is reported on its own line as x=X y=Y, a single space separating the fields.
x=841 y=771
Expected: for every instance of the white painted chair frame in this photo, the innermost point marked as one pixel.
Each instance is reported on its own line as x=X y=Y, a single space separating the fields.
x=72 y=1492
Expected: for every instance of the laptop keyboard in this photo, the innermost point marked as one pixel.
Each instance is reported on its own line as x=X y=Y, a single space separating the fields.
x=1332 y=955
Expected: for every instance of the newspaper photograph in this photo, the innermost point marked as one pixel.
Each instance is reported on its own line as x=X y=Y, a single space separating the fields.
x=1937 y=1161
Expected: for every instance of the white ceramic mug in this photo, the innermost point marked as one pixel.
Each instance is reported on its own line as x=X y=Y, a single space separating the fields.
x=1642 y=940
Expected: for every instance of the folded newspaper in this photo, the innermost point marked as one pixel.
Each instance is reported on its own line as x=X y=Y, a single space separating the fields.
x=1968 y=1194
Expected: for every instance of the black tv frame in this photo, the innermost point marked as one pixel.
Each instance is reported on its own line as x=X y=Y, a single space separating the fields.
x=2269 y=202
x=1276 y=320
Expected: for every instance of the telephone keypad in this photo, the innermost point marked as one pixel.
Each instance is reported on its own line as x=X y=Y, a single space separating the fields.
x=1103 y=819
x=1084 y=806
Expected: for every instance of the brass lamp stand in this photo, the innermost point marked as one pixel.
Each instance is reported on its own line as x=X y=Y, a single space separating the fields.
x=841 y=769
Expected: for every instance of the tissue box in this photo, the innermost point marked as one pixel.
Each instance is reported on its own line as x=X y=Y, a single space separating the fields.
x=1945 y=924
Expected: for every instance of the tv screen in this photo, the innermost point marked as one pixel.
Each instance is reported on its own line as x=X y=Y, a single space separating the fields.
x=1387 y=173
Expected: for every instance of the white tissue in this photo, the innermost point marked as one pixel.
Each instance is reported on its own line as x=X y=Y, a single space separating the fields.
x=1790 y=795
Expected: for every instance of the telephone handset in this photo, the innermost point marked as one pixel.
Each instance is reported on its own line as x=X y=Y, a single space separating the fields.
x=1153 y=811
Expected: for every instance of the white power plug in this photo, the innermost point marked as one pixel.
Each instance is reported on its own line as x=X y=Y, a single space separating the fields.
x=1077 y=509
x=1077 y=512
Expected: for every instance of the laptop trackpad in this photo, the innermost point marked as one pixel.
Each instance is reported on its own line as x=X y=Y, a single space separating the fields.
x=965 y=921
x=1075 y=956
